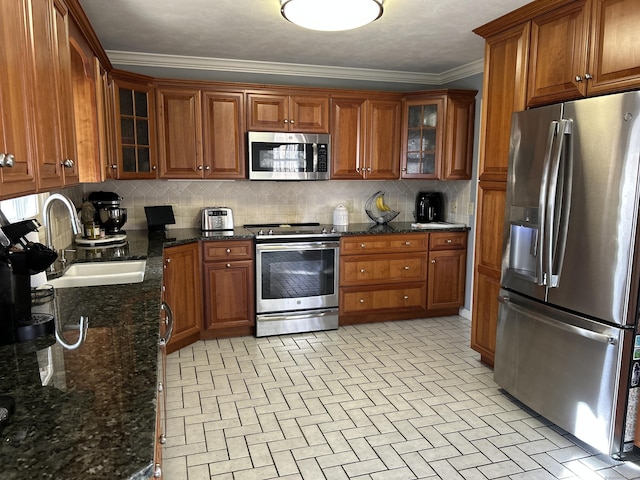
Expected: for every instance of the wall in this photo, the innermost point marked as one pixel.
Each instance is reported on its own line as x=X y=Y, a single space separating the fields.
x=278 y=202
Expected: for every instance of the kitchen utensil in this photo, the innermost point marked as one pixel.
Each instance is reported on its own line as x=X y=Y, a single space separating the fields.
x=377 y=210
x=112 y=218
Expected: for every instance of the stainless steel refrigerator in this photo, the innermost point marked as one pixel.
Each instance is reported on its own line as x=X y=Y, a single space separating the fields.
x=566 y=338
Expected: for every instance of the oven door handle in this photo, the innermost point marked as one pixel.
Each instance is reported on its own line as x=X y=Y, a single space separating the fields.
x=280 y=246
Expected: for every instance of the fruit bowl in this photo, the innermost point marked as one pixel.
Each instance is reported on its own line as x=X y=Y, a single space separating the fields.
x=378 y=210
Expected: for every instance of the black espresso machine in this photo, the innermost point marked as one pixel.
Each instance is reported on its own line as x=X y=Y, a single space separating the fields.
x=429 y=207
x=19 y=259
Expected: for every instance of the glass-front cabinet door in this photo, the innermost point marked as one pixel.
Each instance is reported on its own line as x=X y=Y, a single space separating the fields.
x=423 y=135
x=135 y=127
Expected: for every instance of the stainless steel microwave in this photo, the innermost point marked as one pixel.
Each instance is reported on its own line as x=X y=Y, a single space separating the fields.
x=289 y=156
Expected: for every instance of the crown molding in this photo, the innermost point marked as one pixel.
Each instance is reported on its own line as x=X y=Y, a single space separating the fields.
x=155 y=60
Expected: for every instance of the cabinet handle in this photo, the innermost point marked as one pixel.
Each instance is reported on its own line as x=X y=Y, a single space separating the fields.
x=168 y=260
x=67 y=163
x=368 y=169
x=228 y=265
x=404 y=169
x=448 y=240
x=6 y=160
x=160 y=387
x=162 y=438
x=362 y=300
x=228 y=250
x=433 y=261
x=114 y=166
x=362 y=270
x=154 y=168
x=588 y=76
x=292 y=122
x=406 y=297
x=199 y=167
x=406 y=267
x=157 y=471
x=408 y=244
x=362 y=245
x=207 y=167
x=168 y=319
x=286 y=121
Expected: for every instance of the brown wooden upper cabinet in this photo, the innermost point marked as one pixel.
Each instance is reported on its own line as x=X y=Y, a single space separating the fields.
x=200 y=133
x=93 y=132
x=587 y=47
x=287 y=113
x=135 y=133
x=17 y=148
x=365 y=138
x=437 y=134
x=56 y=150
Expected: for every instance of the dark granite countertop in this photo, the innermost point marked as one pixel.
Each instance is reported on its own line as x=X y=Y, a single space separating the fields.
x=90 y=412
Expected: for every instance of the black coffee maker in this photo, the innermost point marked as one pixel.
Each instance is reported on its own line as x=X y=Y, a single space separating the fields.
x=19 y=259
x=429 y=207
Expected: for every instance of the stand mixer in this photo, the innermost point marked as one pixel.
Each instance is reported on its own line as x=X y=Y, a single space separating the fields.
x=109 y=214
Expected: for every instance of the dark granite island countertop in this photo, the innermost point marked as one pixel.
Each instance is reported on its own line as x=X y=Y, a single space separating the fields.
x=90 y=412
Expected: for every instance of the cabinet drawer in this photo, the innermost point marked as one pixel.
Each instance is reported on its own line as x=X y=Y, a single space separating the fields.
x=447 y=240
x=223 y=251
x=371 y=269
x=364 y=244
x=407 y=296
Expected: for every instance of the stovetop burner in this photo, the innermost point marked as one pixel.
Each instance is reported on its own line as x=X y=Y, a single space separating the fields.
x=264 y=231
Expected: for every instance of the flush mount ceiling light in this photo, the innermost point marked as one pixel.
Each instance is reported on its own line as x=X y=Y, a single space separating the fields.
x=331 y=15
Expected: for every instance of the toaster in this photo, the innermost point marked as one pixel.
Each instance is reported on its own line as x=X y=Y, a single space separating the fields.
x=216 y=218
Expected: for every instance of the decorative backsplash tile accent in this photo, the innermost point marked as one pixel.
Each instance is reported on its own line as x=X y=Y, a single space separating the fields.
x=279 y=202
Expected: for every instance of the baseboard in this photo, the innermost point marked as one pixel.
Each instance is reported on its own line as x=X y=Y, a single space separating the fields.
x=464 y=313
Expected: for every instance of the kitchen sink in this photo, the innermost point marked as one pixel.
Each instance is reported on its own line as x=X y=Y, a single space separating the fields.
x=88 y=274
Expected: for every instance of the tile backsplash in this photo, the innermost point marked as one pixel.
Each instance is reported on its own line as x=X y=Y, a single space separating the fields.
x=278 y=202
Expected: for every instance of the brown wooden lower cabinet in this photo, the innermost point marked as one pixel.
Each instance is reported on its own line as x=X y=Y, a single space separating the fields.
x=447 y=270
x=401 y=276
x=182 y=291
x=228 y=276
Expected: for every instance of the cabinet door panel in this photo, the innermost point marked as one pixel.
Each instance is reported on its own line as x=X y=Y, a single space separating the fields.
x=267 y=113
x=134 y=104
x=558 y=55
x=179 y=133
x=183 y=293
x=488 y=263
x=223 y=135
x=229 y=302
x=615 y=49
x=16 y=123
x=402 y=297
x=383 y=141
x=309 y=114
x=505 y=89
x=347 y=137
x=48 y=121
x=446 y=279
x=363 y=269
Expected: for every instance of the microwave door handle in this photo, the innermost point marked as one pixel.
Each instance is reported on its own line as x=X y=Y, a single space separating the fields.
x=558 y=213
x=542 y=206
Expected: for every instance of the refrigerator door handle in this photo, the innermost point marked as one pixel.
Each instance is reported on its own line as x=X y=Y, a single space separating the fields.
x=598 y=337
x=558 y=204
x=542 y=205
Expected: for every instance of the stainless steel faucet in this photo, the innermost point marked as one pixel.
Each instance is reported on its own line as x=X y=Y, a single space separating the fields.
x=46 y=216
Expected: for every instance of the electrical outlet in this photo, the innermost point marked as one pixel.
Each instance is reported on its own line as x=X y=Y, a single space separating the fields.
x=453 y=207
x=471 y=208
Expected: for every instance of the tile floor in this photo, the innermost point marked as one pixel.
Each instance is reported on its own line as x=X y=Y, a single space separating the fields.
x=396 y=400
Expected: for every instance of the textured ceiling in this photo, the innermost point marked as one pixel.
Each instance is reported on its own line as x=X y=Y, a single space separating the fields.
x=417 y=41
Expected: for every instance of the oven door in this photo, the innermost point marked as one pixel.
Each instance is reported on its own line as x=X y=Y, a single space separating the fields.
x=294 y=276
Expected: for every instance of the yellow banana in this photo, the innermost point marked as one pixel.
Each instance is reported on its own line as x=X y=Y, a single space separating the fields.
x=380 y=203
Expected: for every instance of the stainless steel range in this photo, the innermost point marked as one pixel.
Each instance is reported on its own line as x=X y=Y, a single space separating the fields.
x=296 y=278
